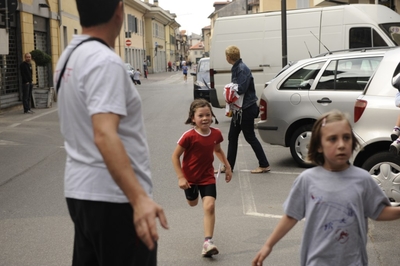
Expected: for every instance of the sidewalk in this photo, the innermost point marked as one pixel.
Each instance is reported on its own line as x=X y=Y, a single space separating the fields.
x=18 y=110
x=159 y=76
x=13 y=117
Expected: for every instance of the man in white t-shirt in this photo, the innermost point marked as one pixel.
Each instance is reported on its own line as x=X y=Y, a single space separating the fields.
x=107 y=181
x=136 y=77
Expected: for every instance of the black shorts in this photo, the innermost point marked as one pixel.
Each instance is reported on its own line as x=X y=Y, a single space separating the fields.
x=137 y=81
x=185 y=74
x=105 y=235
x=205 y=190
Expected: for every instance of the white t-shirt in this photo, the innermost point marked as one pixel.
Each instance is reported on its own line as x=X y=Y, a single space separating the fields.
x=336 y=207
x=136 y=75
x=95 y=81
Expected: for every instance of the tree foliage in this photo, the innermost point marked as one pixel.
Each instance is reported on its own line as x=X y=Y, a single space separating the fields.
x=40 y=57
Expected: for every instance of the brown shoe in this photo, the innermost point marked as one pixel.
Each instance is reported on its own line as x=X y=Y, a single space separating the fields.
x=260 y=170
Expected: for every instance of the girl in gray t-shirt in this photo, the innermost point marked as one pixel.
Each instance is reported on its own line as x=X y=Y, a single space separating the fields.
x=335 y=198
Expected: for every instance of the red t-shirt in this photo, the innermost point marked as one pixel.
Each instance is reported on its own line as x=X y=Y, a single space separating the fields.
x=197 y=163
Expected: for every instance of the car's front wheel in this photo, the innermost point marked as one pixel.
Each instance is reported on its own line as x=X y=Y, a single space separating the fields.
x=299 y=145
x=384 y=168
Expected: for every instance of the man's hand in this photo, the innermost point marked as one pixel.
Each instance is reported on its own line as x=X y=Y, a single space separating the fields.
x=145 y=214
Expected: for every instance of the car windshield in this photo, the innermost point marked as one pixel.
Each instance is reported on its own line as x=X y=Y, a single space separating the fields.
x=393 y=31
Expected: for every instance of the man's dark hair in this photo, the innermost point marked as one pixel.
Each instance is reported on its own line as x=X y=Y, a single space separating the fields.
x=95 y=12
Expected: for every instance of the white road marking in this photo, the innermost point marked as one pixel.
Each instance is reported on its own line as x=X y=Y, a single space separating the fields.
x=249 y=205
x=28 y=119
x=43 y=114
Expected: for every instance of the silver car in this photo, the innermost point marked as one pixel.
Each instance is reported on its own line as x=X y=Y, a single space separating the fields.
x=375 y=115
x=201 y=79
x=295 y=98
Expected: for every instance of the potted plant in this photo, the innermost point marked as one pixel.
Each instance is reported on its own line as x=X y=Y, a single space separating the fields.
x=40 y=57
x=42 y=94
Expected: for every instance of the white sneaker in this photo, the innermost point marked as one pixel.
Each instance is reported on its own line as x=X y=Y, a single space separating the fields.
x=395 y=147
x=395 y=133
x=209 y=249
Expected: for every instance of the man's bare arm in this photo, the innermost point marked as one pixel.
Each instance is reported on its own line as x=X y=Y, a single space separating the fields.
x=105 y=126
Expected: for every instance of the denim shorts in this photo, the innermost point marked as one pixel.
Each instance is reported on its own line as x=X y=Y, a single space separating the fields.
x=397 y=99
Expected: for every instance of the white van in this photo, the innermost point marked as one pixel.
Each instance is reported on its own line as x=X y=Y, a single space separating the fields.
x=309 y=31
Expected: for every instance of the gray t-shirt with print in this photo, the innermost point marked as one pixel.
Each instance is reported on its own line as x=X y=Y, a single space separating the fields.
x=336 y=207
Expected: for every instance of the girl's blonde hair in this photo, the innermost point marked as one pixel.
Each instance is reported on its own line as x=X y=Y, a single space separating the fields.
x=233 y=52
x=198 y=103
x=316 y=157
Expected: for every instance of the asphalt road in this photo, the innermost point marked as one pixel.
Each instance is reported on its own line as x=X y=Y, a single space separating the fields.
x=35 y=228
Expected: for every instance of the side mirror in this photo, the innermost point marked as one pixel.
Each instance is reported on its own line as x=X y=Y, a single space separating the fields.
x=396 y=81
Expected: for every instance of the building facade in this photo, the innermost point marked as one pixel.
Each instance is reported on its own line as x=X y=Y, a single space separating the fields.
x=148 y=35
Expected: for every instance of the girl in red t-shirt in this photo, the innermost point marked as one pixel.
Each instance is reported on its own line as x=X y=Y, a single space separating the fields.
x=196 y=172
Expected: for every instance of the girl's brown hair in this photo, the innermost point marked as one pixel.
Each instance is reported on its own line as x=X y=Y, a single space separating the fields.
x=316 y=157
x=198 y=103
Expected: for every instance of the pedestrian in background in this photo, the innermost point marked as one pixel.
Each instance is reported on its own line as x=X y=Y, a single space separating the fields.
x=26 y=74
x=145 y=68
x=107 y=184
x=184 y=71
x=136 y=77
x=243 y=120
x=169 y=66
x=196 y=172
x=335 y=199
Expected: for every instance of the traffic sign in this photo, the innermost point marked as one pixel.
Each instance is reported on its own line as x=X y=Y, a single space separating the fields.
x=128 y=42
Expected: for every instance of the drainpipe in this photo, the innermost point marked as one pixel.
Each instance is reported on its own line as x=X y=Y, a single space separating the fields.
x=144 y=37
x=284 y=33
x=59 y=13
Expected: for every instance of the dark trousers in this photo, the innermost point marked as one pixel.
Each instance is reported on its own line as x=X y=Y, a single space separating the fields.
x=105 y=235
x=26 y=96
x=245 y=123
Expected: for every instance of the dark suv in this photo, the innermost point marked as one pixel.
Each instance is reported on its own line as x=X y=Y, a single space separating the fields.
x=201 y=80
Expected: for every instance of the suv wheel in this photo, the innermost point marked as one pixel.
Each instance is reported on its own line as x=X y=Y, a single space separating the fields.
x=299 y=145
x=384 y=168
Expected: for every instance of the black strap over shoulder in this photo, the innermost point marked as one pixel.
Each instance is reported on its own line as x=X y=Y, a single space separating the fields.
x=66 y=61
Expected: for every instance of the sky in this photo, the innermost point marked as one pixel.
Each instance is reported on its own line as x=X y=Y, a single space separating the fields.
x=192 y=15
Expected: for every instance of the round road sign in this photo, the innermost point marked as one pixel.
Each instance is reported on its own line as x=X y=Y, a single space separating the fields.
x=128 y=42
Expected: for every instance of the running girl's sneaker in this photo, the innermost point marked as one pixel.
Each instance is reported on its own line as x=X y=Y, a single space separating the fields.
x=395 y=133
x=395 y=147
x=209 y=249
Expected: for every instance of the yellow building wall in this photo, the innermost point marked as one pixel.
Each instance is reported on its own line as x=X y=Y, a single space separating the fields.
x=275 y=5
x=136 y=38
x=27 y=32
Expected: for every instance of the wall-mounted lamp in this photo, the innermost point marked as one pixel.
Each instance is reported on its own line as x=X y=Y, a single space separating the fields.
x=44 y=5
x=153 y=18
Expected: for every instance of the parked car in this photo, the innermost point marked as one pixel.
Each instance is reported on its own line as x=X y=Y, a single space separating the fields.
x=375 y=115
x=130 y=70
x=298 y=95
x=201 y=80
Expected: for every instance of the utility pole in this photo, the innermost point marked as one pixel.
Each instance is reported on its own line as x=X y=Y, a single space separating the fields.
x=284 y=33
